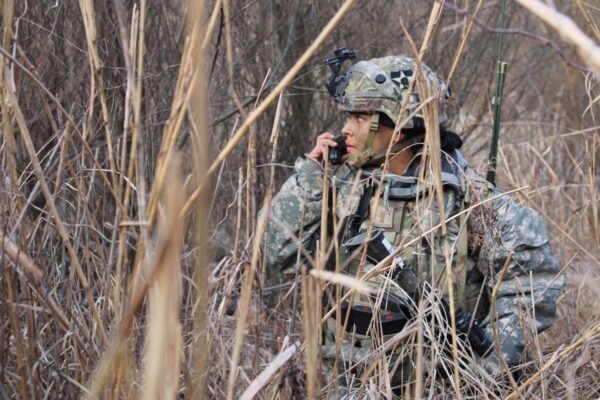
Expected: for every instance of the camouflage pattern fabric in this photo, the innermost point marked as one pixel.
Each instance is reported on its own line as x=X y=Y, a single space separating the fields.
x=526 y=296
x=533 y=274
x=382 y=85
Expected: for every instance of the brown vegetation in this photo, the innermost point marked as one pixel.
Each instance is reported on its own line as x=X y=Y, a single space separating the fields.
x=140 y=138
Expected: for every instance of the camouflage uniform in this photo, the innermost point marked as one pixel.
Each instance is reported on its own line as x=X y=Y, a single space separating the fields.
x=480 y=243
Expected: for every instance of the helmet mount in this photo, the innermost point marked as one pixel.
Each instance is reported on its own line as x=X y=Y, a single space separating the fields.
x=336 y=84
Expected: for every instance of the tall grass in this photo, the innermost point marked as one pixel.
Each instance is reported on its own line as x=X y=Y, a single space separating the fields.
x=132 y=263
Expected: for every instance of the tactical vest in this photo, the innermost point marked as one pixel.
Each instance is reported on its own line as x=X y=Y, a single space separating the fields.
x=405 y=209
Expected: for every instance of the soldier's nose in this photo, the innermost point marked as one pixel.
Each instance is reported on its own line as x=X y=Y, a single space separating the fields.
x=346 y=130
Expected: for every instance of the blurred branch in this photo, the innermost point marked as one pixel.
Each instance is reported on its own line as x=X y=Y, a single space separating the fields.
x=253 y=116
x=588 y=49
x=218 y=44
x=588 y=18
x=181 y=141
x=21 y=259
x=586 y=337
x=544 y=40
x=266 y=375
x=235 y=111
x=169 y=240
x=53 y=210
x=86 y=146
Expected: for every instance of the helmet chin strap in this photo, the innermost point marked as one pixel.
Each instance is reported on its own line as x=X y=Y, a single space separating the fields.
x=365 y=156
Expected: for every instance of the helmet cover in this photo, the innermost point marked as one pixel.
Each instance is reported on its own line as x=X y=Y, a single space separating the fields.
x=381 y=85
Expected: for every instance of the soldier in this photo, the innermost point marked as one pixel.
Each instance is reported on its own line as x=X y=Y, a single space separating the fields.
x=497 y=245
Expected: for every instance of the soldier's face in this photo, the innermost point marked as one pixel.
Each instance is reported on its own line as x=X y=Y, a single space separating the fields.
x=356 y=131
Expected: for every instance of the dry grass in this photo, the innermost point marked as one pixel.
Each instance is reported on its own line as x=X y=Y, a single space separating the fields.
x=130 y=247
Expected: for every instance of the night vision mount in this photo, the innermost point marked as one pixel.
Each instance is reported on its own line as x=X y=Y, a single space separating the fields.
x=336 y=84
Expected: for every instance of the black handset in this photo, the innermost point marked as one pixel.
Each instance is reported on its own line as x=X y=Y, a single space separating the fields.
x=336 y=153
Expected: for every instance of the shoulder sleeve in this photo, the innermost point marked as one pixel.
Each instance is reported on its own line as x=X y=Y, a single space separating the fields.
x=503 y=232
x=294 y=215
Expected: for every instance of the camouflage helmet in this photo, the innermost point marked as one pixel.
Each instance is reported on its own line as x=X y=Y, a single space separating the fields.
x=381 y=85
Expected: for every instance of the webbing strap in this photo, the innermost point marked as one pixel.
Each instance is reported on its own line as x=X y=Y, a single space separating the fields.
x=350 y=223
x=460 y=266
x=362 y=212
x=462 y=243
x=373 y=129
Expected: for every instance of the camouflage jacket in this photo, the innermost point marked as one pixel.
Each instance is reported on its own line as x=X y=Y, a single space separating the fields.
x=497 y=231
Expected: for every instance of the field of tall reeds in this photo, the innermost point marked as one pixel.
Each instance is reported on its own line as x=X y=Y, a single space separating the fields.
x=139 y=139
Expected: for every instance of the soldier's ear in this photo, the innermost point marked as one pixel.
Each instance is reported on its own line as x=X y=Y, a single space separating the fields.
x=386 y=132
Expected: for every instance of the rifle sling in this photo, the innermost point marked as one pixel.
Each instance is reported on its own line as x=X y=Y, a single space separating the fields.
x=350 y=224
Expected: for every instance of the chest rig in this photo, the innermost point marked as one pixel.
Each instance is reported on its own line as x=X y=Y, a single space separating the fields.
x=405 y=210
x=406 y=214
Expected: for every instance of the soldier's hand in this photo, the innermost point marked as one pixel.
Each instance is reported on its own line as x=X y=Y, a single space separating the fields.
x=324 y=141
